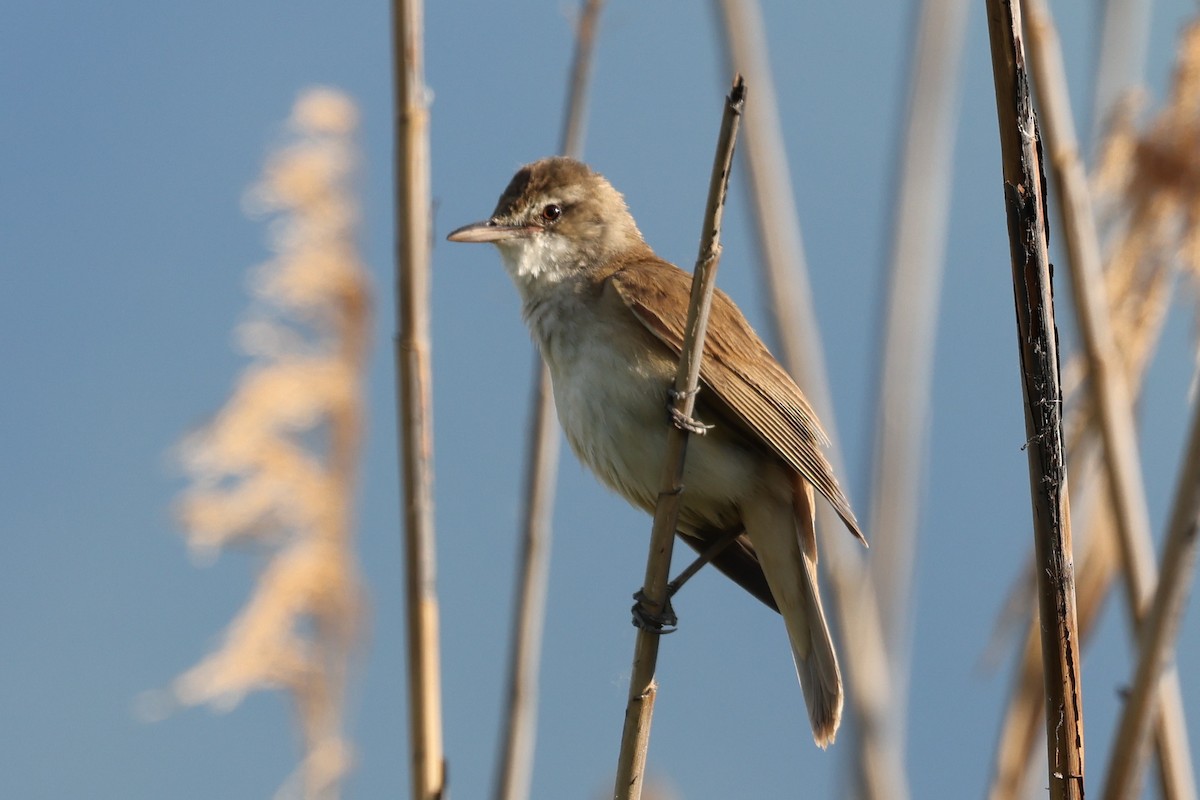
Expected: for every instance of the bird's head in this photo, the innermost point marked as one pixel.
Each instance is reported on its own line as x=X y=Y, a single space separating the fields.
x=557 y=218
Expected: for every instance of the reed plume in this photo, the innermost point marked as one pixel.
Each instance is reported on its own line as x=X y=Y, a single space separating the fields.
x=276 y=467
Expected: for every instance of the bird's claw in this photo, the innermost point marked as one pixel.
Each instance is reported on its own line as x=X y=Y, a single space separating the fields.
x=663 y=621
x=681 y=420
x=684 y=422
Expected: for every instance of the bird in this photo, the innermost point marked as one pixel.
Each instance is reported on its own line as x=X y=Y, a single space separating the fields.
x=608 y=317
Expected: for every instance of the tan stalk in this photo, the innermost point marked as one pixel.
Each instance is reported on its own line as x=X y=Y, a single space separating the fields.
x=414 y=394
x=781 y=246
x=1109 y=391
x=519 y=735
x=635 y=735
x=1165 y=194
x=793 y=317
x=921 y=211
x=1139 y=307
x=1038 y=346
x=1146 y=175
x=1023 y=724
x=1160 y=628
x=1099 y=555
x=1120 y=58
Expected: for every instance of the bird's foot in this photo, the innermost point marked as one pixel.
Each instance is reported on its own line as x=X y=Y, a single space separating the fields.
x=663 y=621
x=681 y=420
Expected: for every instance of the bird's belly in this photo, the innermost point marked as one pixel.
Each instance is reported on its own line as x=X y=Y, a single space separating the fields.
x=614 y=413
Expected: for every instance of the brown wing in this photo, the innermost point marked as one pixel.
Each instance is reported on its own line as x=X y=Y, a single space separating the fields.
x=739 y=370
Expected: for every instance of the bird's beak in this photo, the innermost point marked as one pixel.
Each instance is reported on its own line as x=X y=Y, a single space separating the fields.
x=490 y=231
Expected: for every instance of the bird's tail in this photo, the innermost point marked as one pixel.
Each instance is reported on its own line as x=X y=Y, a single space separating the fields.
x=784 y=538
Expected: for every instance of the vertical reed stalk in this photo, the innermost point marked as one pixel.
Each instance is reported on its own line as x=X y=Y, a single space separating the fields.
x=1099 y=557
x=1109 y=391
x=921 y=210
x=1038 y=345
x=1120 y=57
x=639 y=709
x=1160 y=627
x=414 y=394
x=781 y=254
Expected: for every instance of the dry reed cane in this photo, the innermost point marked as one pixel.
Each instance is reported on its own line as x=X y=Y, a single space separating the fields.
x=793 y=319
x=920 y=219
x=639 y=709
x=1109 y=391
x=1160 y=628
x=1148 y=172
x=414 y=399
x=1025 y=202
x=1120 y=58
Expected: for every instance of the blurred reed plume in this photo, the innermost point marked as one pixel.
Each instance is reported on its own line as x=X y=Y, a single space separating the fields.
x=1154 y=176
x=276 y=468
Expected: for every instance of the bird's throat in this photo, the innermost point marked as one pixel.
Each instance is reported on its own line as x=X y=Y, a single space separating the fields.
x=539 y=262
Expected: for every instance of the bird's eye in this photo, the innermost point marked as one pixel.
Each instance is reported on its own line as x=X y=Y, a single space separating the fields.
x=552 y=212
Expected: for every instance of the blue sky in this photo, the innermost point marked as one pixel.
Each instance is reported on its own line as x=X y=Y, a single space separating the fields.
x=129 y=134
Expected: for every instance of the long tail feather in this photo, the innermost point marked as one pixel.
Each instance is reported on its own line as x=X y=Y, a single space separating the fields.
x=777 y=531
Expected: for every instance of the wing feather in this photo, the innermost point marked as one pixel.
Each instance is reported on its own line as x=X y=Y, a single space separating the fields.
x=739 y=370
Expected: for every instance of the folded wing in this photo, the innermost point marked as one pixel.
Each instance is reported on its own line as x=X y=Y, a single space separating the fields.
x=740 y=371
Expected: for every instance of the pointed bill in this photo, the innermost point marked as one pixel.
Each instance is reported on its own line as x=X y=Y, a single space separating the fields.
x=489 y=231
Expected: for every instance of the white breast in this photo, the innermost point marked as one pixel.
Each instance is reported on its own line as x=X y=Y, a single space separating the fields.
x=611 y=405
x=611 y=392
